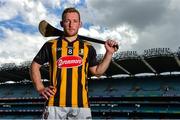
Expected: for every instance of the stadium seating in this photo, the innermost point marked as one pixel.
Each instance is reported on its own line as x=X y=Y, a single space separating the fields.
x=126 y=97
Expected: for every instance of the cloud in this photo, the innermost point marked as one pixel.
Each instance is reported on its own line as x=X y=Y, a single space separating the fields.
x=156 y=22
x=51 y=3
x=18 y=47
x=73 y=1
x=124 y=35
x=138 y=13
x=7 y=10
x=161 y=36
x=32 y=12
x=29 y=11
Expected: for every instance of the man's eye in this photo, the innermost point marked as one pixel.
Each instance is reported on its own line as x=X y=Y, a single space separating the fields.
x=76 y=21
x=66 y=21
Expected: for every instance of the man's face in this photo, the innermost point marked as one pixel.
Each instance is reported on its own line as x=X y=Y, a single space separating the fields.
x=71 y=24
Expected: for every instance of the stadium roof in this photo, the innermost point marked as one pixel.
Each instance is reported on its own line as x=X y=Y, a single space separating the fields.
x=155 y=61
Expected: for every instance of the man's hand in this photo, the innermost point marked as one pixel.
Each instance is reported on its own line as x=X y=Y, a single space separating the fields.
x=109 y=46
x=47 y=92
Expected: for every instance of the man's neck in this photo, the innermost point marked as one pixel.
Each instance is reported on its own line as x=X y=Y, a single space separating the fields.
x=71 y=38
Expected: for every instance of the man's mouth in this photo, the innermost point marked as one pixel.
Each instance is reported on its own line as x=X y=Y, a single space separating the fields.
x=71 y=29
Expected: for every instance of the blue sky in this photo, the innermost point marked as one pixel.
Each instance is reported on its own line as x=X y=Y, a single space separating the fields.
x=135 y=24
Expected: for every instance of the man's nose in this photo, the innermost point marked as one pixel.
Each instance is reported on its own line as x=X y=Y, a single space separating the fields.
x=70 y=24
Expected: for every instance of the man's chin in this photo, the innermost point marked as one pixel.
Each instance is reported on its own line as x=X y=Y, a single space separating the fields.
x=71 y=34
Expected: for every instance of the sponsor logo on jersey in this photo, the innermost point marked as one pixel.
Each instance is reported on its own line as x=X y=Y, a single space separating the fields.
x=69 y=61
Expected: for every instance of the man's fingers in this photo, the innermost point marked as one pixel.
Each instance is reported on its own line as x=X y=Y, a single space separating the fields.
x=52 y=88
x=44 y=95
x=111 y=43
x=48 y=92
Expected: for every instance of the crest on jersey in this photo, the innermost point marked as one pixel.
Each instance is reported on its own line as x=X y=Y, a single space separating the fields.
x=81 y=52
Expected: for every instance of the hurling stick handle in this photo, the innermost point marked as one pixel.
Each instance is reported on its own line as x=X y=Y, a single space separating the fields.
x=95 y=40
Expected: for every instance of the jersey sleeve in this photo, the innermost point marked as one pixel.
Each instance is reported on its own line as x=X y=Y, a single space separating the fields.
x=43 y=54
x=92 y=57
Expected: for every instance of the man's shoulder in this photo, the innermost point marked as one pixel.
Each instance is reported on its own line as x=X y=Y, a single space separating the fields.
x=52 y=40
x=86 y=42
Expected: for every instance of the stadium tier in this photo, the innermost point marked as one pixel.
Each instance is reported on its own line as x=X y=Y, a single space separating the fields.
x=126 y=90
x=128 y=97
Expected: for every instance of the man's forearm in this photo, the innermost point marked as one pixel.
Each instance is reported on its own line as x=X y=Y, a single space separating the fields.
x=36 y=76
x=102 y=67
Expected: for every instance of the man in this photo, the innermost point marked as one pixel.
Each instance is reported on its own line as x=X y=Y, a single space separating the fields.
x=69 y=60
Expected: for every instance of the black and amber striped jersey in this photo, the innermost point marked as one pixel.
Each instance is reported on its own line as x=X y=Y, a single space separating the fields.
x=68 y=69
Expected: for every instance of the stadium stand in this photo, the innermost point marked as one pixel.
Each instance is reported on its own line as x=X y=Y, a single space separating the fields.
x=134 y=87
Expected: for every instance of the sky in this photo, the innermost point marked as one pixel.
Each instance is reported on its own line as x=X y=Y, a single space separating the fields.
x=136 y=25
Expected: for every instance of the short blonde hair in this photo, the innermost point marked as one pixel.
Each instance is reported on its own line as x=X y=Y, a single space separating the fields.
x=69 y=10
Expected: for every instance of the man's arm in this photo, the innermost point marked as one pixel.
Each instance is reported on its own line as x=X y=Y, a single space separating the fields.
x=99 y=69
x=36 y=79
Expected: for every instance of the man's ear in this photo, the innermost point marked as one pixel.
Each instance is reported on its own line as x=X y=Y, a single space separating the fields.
x=80 y=24
x=61 y=23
